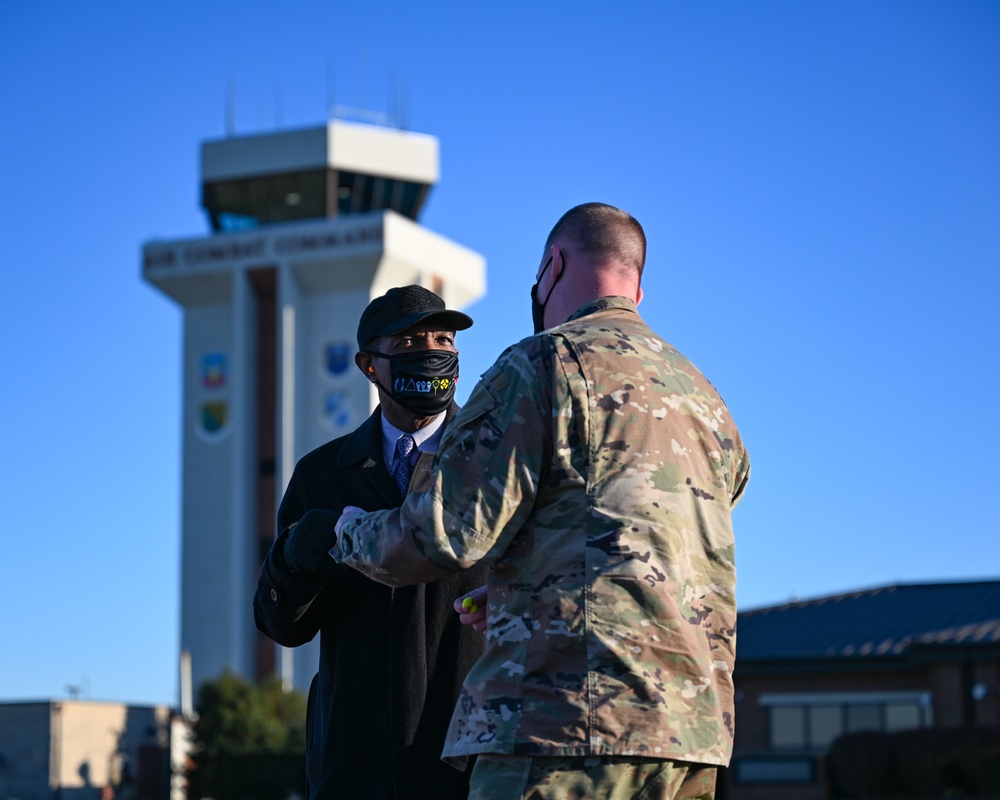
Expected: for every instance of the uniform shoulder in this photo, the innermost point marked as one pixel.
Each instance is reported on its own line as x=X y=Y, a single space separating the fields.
x=520 y=359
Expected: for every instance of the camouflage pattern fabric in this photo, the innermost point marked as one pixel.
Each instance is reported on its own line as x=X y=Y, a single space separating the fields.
x=595 y=469
x=587 y=777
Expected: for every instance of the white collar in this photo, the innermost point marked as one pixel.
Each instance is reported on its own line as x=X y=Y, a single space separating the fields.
x=426 y=439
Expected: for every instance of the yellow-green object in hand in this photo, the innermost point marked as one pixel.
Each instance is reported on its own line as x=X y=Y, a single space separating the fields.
x=469 y=606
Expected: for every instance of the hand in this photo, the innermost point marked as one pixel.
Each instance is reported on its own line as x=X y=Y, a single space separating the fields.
x=307 y=548
x=471 y=608
x=349 y=512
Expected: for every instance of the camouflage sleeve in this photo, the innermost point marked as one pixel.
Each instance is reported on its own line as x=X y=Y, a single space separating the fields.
x=742 y=479
x=486 y=475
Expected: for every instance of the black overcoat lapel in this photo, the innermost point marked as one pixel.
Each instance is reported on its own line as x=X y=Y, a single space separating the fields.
x=363 y=450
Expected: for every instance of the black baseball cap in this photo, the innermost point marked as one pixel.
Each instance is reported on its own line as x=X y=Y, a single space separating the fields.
x=403 y=307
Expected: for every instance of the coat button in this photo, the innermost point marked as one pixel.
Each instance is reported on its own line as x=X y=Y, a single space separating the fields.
x=274 y=595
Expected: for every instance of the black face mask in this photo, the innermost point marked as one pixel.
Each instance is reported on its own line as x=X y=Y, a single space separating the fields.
x=538 y=308
x=423 y=381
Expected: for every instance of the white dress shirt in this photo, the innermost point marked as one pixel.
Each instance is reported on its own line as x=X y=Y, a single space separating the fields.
x=425 y=439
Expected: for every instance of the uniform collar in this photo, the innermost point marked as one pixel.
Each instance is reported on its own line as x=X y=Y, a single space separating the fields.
x=603 y=304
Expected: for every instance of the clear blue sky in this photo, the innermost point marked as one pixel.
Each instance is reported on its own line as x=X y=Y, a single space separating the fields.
x=819 y=183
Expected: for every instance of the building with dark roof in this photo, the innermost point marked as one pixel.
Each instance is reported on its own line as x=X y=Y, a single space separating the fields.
x=885 y=659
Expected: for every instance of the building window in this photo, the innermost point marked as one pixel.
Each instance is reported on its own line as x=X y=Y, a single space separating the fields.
x=824 y=725
x=902 y=716
x=864 y=717
x=357 y=193
x=787 y=724
x=246 y=203
x=810 y=722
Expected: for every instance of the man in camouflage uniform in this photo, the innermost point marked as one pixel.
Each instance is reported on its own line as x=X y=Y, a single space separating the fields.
x=595 y=469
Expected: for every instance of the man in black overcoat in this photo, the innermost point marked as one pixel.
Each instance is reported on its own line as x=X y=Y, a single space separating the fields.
x=392 y=661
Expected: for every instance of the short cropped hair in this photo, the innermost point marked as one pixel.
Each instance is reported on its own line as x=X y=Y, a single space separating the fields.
x=603 y=231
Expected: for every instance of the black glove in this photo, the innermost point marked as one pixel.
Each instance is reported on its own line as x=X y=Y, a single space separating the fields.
x=307 y=548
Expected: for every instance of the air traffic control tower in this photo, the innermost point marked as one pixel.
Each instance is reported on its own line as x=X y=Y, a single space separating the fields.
x=307 y=227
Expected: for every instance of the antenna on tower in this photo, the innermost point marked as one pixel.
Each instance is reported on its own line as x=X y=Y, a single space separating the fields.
x=402 y=106
x=390 y=103
x=229 y=111
x=277 y=107
x=394 y=84
x=330 y=88
x=361 y=76
x=358 y=112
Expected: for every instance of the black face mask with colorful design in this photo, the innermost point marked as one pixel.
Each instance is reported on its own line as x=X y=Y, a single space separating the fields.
x=423 y=381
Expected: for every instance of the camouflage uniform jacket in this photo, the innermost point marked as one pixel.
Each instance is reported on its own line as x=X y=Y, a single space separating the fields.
x=595 y=468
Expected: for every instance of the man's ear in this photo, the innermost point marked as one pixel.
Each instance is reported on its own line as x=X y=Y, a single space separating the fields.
x=558 y=264
x=365 y=363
